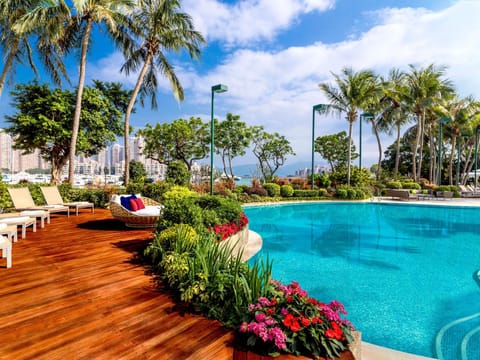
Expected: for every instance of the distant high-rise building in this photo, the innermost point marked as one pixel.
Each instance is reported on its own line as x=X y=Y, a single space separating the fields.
x=116 y=154
x=5 y=150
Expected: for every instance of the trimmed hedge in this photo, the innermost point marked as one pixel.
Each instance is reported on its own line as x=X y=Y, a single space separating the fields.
x=286 y=191
x=305 y=193
x=273 y=189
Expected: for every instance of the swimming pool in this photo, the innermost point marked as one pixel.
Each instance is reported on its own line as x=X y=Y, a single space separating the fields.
x=402 y=271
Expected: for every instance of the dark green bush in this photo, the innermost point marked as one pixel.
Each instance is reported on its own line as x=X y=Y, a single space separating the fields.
x=305 y=193
x=135 y=188
x=226 y=209
x=156 y=190
x=322 y=180
x=341 y=193
x=286 y=190
x=181 y=211
x=178 y=174
x=240 y=189
x=411 y=185
x=394 y=185
x=273 y=189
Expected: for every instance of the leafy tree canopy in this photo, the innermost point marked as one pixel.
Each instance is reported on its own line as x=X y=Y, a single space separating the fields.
x=334 y=149
x=44 y=121
x=183 y=140
x=271 y=150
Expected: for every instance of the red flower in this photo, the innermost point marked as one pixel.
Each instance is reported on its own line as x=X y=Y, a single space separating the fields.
x=335 y=332
x=291 y=322
x=305 y=321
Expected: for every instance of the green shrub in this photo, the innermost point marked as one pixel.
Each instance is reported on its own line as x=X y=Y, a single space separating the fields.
x=286 y=190
x=341 y=193
x=178 y=174
x=394 y=185
x=134 y=188
x=305 y=193
x=322 y=192
x=179 y=192
x=273 y=189
x=345 y=192
x=411 y=185
x=226 y=209
x=322 y=180
x=157 y=190
x=240 y=189
x=181 y=211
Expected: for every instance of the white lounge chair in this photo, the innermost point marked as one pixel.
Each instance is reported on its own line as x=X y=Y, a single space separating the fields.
x=52 y=197
x=22 y=200
x=6 y=247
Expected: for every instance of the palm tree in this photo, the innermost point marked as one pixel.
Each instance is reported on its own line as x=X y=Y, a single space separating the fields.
x=72 y=27
x=459 y=110
x=160 y=27
x=424 y=88
x=352 y=91
x=394 y=113
x=16 y=47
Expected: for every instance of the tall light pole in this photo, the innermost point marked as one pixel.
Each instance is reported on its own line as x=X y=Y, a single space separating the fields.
x=440 y=122
x=220 y=88
x=318 y=107
x=362 y=116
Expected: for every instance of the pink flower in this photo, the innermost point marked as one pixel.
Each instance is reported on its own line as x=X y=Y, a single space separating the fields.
x=243 y=327
x=260 y=317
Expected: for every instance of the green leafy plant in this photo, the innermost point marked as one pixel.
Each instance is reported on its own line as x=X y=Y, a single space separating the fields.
x=286 y=190
x=273 y=189
x=288 y=320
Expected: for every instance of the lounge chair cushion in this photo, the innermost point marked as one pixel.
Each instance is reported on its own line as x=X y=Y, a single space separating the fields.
x=151 y=210
x=3 y=226
x=136 y=204
x=14 y=220
x=125 y=201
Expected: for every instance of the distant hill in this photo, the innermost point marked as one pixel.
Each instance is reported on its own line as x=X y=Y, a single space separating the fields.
x=289 y=169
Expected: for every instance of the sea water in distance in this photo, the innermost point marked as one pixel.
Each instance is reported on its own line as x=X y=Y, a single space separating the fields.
x=402 y=271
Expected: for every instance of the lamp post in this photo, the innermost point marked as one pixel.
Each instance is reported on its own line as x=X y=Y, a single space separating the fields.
x=315 y=108
x=220 y=88
x=362 y=116
x=440 y=122
x=458 y=157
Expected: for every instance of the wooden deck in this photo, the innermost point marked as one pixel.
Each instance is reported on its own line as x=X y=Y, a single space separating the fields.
x=75 y=291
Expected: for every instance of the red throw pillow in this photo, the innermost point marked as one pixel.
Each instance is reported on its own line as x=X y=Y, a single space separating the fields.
x=140 y=203
x=133 y=204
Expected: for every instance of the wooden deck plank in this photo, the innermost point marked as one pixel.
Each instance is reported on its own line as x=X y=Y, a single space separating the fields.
x=75 y=291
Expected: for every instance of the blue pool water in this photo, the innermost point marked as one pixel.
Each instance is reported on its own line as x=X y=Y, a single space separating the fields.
x=402 y=271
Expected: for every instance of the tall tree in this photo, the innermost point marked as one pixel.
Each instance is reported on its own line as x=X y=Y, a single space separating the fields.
x=17 y=49
x=44 y=117
x=271 y=150
x=424 y=87
x=394 y=113
x=352 y=91
x=71 y=27
x=334 y=149
x=160 y=27
x=232 y=138
x=183 y=140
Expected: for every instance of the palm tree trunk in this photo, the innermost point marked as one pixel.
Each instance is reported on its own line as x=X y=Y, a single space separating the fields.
x=128 y=112
x=349 y=158
x=379 y=144
x=450 y=165
x=433 y=158
x=78 y=105
x=415 y=148
x=422 y=140
x=6 y=69
x=397 y=154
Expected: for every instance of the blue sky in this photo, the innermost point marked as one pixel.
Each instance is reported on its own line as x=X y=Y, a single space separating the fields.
x=273 y=54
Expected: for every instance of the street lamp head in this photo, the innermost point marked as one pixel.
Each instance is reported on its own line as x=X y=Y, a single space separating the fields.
x=367 y=115
x=319 y=107
x=220 y=88
x=444 y=120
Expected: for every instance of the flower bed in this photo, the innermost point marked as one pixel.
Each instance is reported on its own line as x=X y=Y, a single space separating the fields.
x=290 y=321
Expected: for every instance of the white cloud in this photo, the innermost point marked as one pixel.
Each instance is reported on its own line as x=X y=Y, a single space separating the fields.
x=249 y=20
x=278 y=89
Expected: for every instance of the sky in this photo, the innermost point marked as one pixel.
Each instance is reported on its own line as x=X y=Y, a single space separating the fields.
x=273 y=54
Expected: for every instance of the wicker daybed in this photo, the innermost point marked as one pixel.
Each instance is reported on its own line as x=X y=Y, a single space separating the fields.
x=136 y=219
